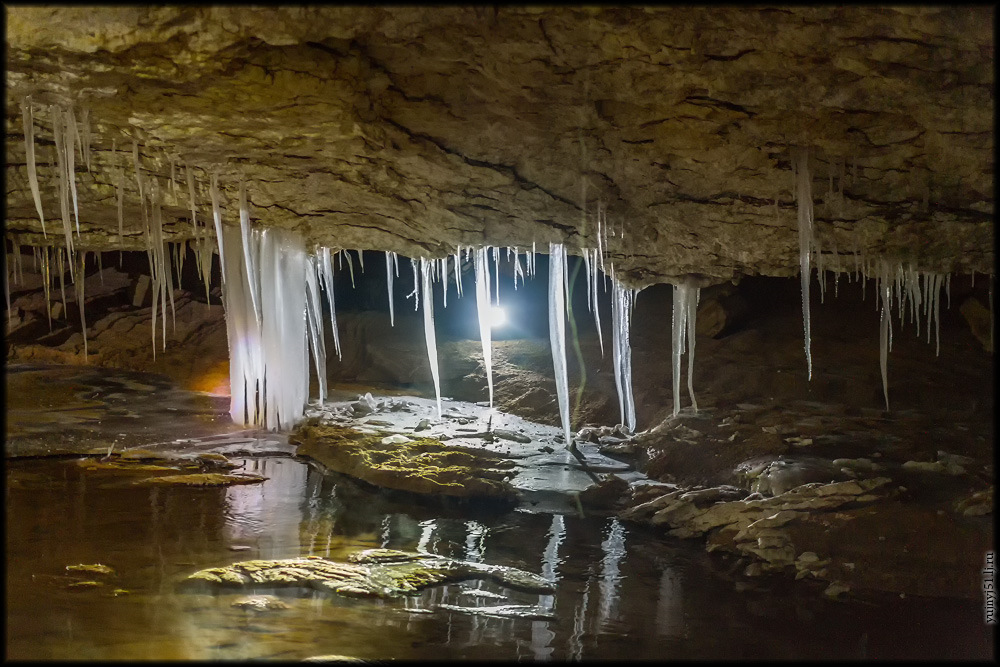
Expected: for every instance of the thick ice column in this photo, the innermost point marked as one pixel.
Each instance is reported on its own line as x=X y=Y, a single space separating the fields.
x=621 y=315
x=283 y=267
x=557 y=332
x=679 y=331
x=803 y=198
x=429 y=336
x=243 y=329
x=691 y=306
x=482 y=270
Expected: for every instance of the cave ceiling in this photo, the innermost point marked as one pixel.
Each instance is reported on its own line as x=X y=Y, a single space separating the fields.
x=419 y=129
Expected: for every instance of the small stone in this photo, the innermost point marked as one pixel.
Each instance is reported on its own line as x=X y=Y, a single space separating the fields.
x=260 y=603
x=423 y=425
x=835 y=590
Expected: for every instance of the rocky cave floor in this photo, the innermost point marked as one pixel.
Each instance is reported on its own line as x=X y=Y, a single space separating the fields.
x=809 y=477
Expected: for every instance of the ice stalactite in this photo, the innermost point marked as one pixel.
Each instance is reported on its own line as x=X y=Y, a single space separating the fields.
x=691 y=306
x=191 y=200
x=59 y=137
x=6 y=289
x=217 y=218
x=496 y=261
x=596 y=307
x=86 y=136
x=120 y=191
x=326 y=269
x=804 y=201
x=314 y=324
x=269 y=371
x=557 y=332
x=458 y=271
x=61 y=265
x=622 y=299
x=29 y=150
x=72 y=136
x=249 y=256
x=518 y=269
x=885 y=331
x=283 y=267
x=78 y=285
x=444 y=280
x=429 y=336
x=388 y=276
x=350 y=264
x=46 y=284
x=482 y=271
x=685 y=310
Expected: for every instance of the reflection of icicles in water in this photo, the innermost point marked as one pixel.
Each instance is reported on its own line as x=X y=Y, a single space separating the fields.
x=670 y=605
x=614 y=553
x=426 y=532
x=475 y=542
x=685 y=310
x=622 y=299
x=579 y=625
x=429 y=336
x=541 y=636
x=557 y=331
x=803 y=197
x=482 y=271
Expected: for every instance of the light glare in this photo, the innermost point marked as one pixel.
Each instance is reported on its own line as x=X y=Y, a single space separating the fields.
x=498 y=317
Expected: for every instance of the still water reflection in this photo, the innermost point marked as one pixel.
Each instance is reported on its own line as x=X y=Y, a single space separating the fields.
x=621 y=592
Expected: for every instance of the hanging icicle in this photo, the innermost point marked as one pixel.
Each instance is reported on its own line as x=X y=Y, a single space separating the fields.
x=326 y=269
x=482 y=271
x=622 y=299
x=804 y=201
x=557 y=332
x=388 y=278
x=429 y=335
x=29 y=150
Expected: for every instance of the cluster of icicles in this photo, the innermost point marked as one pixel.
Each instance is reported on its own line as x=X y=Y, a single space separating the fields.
x=272 y=286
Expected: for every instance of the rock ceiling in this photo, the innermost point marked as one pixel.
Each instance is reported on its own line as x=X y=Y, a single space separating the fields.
x=417 y=129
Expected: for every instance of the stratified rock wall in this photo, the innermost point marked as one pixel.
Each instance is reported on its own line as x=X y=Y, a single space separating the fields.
x=417 y=129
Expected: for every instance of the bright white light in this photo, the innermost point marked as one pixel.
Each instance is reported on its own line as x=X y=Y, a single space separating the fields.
x=498 y=317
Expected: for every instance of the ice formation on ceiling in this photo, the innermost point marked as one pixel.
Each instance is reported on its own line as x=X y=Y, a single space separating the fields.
x=273 y=285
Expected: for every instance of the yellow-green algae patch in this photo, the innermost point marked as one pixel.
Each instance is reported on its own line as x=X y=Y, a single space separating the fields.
x=372 y=573
x=424 y=465
x=200 y=479
x=96 y=568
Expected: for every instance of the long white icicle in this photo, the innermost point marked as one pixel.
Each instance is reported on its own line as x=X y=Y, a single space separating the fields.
x=885 y=332
x=29 y=150
x=803 y=198
x=482 y=270
x=388 y=279
x=429 y=336
x=622 y=299
x=557 y=332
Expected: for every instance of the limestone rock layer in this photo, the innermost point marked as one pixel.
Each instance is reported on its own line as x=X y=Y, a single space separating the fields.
x=416 y=129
